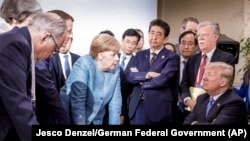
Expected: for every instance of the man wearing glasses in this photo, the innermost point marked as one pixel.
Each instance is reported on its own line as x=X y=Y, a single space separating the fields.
x=207 y=34
x=17 y=47
x=51 y=75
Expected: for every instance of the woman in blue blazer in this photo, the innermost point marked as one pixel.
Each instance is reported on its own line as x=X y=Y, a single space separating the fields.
x=94 y=82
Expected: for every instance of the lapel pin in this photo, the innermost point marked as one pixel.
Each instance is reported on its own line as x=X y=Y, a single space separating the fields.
x=218 y=105
x=162 y=57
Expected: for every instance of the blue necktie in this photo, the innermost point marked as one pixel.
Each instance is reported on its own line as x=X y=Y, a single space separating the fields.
x=209 y=105
x=66 y=66
x=123 y=62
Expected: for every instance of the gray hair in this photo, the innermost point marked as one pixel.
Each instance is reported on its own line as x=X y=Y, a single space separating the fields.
x=49 y=22
x=18 y=9
x=215 y=26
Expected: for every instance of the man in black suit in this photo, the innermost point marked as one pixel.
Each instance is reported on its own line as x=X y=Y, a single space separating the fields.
x=207 y=34
x=17 y=47
x=219 y=105
x=57 y=62
x=51 y=76
x=130 y=39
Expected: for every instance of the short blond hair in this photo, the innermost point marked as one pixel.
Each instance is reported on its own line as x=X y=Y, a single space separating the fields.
x=225 y=70
x=103 y=42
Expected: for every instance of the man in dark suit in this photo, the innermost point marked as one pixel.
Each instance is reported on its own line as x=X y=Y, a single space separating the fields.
x=207 y=34
x=130 y=39
x=57 y=62
x=16 y=111
x=51 y=76
x=154 y=74
x=219 y=105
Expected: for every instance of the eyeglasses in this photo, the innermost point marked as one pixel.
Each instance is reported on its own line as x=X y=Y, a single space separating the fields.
x=187 y=44
x=57 y=47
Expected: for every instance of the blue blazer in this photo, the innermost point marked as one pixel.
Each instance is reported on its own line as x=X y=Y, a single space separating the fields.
x=89 y=90
x=161 y=92
x=243 y=90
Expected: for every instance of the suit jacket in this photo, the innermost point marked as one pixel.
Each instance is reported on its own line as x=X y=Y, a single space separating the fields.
x=243 y=90
x=161 y=92
x=192 y=68
x=56 y=70
x=228 y=109
x=16 y=110
x=126 y=87
x=49 y=109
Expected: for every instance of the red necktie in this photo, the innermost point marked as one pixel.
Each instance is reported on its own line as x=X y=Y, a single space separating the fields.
x=201 y=71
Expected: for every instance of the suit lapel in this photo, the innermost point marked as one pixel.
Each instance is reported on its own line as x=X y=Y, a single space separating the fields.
x=197 y=64
x=160 y=56
x=58 y=67
x=129 y=63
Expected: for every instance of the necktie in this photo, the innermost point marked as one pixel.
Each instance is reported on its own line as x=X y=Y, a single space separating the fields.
x=201 y=71
x=182 y=71
x=66 y=66
x=123 y=62
x=184 y=65
x=153 y=54
x=209 y=105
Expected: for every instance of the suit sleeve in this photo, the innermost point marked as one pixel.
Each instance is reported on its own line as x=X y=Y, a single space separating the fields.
x=46 y=90
x=169 y=71
x=15 y=65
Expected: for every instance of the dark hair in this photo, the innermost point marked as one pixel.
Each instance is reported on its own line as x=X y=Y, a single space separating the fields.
x=107 y=32
x=188 y=32
x=62 y=14
x=131 y=32
x=189 y=19
x=162 y=24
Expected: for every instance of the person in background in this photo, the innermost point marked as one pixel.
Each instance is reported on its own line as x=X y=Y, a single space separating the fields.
x=154 y=75
x=107 y=32
x=220 y=105
x=51 y=75
x=39 y=36
x=17 y=13
x=207 y=34
x=188 y=44
x=57 y=62
x=243 y=91
x=170 y=46
x=188 y=24
x=94 y=82
x=130 y=39
x=140 y=45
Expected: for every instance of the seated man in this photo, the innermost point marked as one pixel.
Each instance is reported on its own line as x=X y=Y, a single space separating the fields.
x=220 y=105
